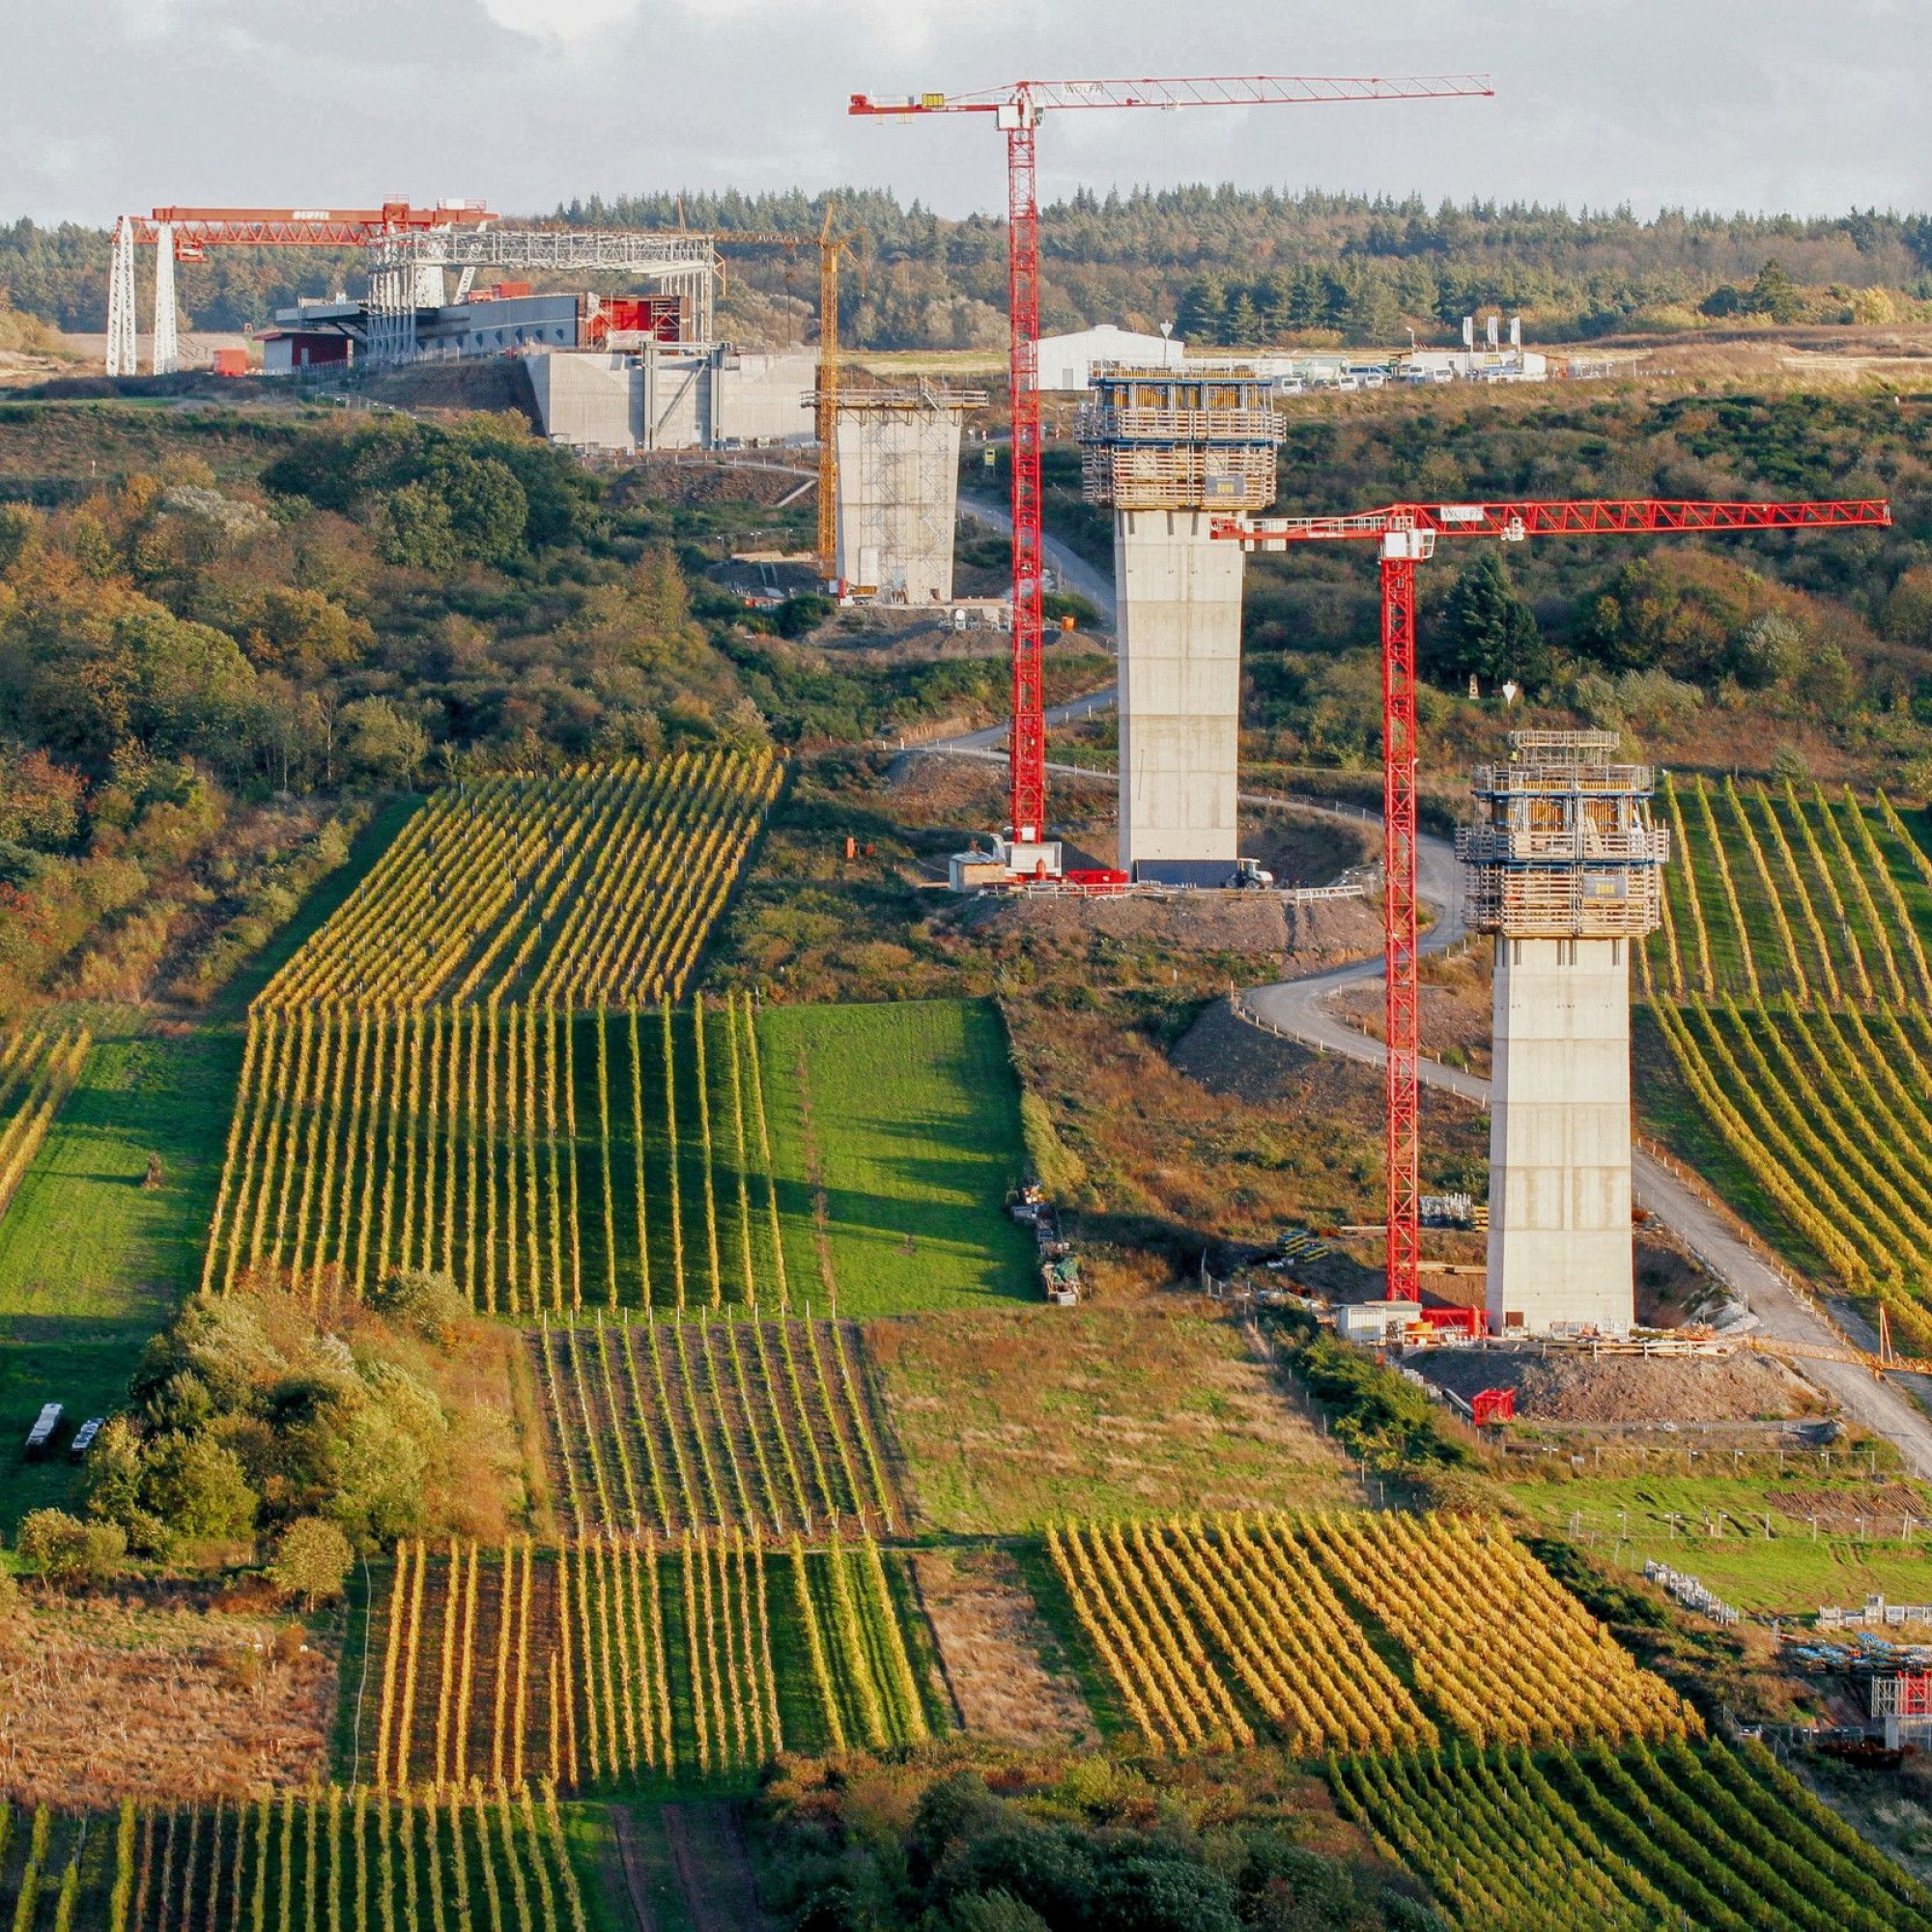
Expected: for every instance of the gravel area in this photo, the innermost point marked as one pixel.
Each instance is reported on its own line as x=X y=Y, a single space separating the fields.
x=1628 y=1389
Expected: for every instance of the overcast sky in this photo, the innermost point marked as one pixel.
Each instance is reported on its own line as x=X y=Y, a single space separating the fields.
x=1805 y=105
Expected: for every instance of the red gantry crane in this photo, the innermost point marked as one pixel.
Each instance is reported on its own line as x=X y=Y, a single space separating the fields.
x=186 y=234
x=1017 y=109
x=1407 y=534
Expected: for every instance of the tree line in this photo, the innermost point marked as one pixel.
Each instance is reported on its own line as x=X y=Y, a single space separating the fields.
x=1225 y=264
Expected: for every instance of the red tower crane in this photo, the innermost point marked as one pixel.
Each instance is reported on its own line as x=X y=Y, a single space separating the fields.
x=1408 y=533
x=1017 y=109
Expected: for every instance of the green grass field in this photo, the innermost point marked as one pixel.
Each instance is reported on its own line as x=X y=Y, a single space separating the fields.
x=897 y=1136
x=1714 y=1528
x=92 y=1262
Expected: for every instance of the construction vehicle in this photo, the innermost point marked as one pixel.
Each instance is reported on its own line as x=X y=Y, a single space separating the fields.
x=1060 y=1276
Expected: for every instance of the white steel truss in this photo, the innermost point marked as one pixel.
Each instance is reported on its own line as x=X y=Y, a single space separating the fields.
x=123 y=341
x=167 y=319
x=393 y=303
x=685 y=265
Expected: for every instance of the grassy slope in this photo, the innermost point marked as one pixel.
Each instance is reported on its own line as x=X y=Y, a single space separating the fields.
x=1012 y=1418
x=1784 y=1574
x=914 y=1123
x=91 y=1262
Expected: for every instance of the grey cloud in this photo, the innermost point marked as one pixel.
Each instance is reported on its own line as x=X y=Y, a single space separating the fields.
x=1779 y=105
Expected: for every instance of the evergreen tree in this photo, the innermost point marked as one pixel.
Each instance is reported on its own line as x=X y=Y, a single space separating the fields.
x=1486 y=630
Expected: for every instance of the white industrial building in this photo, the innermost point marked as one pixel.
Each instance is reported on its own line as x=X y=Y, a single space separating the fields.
x=1068 y=362
x=1565 y=871
x=667 y=395
x=1170 y=451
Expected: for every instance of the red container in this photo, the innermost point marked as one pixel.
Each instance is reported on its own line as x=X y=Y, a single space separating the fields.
x=1472 y=1321
x=231 y=362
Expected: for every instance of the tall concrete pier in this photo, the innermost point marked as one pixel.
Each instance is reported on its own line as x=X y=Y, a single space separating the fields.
x=1565 y=872
x=898 y=490
x=1170 y=451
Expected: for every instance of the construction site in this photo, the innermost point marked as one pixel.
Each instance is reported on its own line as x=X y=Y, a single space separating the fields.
x=816 y=1109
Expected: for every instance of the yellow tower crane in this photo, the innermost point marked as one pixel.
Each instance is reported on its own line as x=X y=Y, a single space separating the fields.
x=825 y=412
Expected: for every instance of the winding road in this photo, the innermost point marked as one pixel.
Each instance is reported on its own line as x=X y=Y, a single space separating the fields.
x=1299 y=1009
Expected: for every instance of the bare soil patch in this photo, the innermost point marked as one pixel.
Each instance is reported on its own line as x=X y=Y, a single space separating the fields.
x=1329 y=932
x=993 y=1646
x=1846 y=1511
x=934 y=790
x=102 y=1698
x=1629 y=1388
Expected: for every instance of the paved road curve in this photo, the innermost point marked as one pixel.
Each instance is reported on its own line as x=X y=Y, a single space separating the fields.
x=1299 y=1008
x=1076 y=573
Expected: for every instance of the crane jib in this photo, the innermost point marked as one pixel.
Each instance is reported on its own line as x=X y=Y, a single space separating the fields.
x=1631 y=517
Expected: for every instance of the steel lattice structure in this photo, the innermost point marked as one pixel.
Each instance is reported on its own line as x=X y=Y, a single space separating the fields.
x=401 y=241
x=1407 y=534
x=1016 y=108
x=180 y=233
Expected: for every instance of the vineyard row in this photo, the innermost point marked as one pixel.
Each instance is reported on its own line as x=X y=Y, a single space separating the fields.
x=1653 y=1836
x=1772 y=895
x=1828 y=1113
x=597 y=886
x=758 y=1426
x=302 y=1862
x=1221 y=1632
x=613 y=1659
x=38 y=1071
x=543 y=1159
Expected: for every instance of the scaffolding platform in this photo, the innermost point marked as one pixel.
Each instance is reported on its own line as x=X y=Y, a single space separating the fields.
x=1169 y=440
x=1564 y=848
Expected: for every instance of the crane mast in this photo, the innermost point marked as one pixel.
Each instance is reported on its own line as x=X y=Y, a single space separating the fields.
x=1407 y=534
x=825 y=396
x=1016 y=108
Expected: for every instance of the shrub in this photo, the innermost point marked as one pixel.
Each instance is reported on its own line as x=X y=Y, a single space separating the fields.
x=804 y=611
x=311 y=1561
x=1379 y=1416
x=67 y=1551
x=197 y=1487
x=428 y=1301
